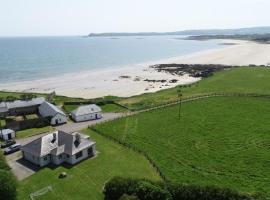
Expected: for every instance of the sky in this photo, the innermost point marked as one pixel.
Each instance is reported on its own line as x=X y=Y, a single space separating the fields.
x=80 y=17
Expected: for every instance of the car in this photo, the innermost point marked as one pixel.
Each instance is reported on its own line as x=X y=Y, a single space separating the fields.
x=7 y=143
x=13 y=148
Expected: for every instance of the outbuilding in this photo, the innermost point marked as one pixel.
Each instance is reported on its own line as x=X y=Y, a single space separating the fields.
x=56 y=115
x=86 y=113
x=7 y=134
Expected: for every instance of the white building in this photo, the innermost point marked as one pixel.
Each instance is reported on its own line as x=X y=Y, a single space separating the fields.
x=7 y=134
x=86 y=113
x=56 y=115
x=59 y=147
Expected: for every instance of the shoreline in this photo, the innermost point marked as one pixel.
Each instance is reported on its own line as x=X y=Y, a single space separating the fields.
x=132 y=80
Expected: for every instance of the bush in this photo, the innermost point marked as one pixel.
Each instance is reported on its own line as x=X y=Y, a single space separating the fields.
x=128 y=197
x=149 y=191
x=192 y=192
x=126 y=188
x=118 y=186
x=7 y=181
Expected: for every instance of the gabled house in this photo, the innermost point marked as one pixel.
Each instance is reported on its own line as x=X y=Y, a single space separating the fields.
x=59 y=147
x=56 y=115
x=86 y=113
x=7 y=134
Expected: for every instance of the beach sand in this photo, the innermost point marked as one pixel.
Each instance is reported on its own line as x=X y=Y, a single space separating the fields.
x=129 y=81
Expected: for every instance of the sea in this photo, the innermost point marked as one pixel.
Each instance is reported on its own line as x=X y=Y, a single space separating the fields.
x=31 y=58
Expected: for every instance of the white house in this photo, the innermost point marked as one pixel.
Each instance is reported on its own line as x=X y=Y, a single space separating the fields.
x=87 y=112
x=7 y=134
x=56 y=115
x=59 y=147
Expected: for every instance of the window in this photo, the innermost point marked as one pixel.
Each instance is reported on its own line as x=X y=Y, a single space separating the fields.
x=60 y=157
x=78 y=155
x=45 y=158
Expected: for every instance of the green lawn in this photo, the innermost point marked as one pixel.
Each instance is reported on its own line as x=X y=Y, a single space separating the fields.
x=86 y=180
x=105 y=108
x=222 y=141
x=238 y=80
x=33 y=131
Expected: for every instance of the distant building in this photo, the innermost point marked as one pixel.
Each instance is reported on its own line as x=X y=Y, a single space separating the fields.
x=56 y=115
x=7 y=134
x=19 y=107
x=59 y=147
x=87 y=112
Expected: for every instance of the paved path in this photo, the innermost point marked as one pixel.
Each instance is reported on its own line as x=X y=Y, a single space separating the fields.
x=73 y=127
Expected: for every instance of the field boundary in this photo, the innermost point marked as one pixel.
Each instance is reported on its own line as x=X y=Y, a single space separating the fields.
x=186 y=100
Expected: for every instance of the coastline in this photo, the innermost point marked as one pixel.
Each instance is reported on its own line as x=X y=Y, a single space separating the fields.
x=132 y=80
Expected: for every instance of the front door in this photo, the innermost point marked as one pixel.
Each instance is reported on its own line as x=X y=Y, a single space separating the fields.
x=9 y=136
x=56 y=121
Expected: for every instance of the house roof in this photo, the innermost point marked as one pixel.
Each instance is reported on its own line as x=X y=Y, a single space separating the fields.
x=57 y=143
x=22 y=103
x=6 y=131
x=87 y=109
x=47 y=109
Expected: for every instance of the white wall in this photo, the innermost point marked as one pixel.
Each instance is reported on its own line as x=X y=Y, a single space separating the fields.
x=5 y=137
x=31 y=158
x=61 y=119
x=88 y=117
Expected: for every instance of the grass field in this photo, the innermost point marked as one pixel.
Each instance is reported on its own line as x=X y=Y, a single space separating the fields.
x=222 y=141
x=33 y=131
x=86 y=180
x=238 y=80
x=105 y=108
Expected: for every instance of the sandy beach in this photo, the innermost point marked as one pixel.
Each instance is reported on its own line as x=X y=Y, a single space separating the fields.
x=132 y=80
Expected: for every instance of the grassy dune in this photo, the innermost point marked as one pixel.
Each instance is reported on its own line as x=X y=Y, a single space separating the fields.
x=86 y=180
x=221 y=141
x=238 y=80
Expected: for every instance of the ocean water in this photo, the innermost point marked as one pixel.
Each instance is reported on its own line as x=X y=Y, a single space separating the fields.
x=30 y=58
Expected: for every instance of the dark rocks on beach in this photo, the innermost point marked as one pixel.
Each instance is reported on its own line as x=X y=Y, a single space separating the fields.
x=122 y=77
x=155 y=81
x=193 y=70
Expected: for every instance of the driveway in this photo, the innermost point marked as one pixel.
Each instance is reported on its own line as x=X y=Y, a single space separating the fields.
x=20 y=167
x=73 y=127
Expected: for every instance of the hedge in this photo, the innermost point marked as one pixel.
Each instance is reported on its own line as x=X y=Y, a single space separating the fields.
x=126 y=188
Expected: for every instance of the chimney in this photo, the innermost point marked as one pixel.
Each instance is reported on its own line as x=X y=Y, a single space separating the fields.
x=78 y=138
x=54 y=138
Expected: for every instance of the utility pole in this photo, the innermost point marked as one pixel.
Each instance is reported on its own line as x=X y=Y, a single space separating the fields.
x=179 y=92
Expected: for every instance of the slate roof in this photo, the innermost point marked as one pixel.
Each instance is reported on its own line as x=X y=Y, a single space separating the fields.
x=57 y=143
x=5 y=106
x=47 y=109
x=87 y=109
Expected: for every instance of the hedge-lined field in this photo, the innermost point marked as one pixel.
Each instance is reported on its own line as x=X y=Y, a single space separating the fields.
x=222 y=141
x=87 y=179
x=238 y=80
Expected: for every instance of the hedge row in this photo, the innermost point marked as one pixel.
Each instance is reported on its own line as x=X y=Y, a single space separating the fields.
x=125 y=188
x=7 y=181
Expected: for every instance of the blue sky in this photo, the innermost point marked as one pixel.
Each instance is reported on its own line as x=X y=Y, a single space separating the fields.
x=80 y=17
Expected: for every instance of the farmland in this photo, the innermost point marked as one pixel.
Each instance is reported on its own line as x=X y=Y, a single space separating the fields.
x=222 y=141
x=86 y=180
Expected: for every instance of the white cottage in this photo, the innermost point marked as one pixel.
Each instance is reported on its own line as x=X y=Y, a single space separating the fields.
x=7 y=134
x=86 y=113
x=59 y=147
x=56 y=115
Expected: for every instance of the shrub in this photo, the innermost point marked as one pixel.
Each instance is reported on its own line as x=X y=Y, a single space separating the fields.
x=149 y=191
x=128 y=197
x=118 y=186
x=126 y=188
